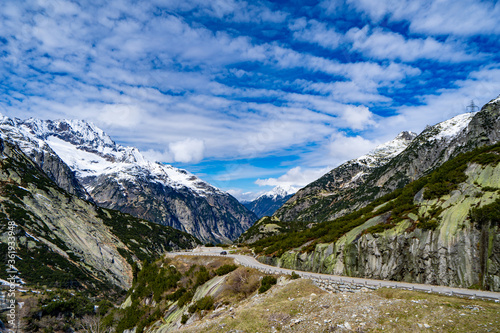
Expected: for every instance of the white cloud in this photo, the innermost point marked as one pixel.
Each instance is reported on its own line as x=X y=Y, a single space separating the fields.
x=343 y=148
x=297 y=177
x=183 y=91
x=245 y=195
x=358 y=117
x=121 y=115
x=439 y=17
x=382 y=44
x=188 y=150
x=316 y=32
x=158 y=156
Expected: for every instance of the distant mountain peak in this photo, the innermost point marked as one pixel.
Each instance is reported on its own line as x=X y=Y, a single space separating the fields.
x=280 y=191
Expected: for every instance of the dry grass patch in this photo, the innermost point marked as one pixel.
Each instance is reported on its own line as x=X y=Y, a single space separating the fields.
x=183 y=263
x=438 y=313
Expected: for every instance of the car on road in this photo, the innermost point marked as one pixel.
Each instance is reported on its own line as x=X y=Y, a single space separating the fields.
x=223 y=253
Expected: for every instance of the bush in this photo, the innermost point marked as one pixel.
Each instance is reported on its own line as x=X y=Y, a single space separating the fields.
x=225 y=269
x=202 y=276
x=242 y=282
x=185 y=298
x=488 y=214
x=295 y=276
x=184 y=319
x=206 y=303
x=267 y=282
x=431 y=224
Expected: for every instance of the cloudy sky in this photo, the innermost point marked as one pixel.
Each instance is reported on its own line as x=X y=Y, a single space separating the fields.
x=249 y=94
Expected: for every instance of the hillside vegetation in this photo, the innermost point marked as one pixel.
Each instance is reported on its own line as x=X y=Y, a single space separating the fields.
x=457 y=201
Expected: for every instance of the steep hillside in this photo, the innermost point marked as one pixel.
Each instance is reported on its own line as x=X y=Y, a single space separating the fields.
x=121 y=178
x=311 y=202
x=63 y=241
x=341 y=191
x=268 y=203
x=441 y=229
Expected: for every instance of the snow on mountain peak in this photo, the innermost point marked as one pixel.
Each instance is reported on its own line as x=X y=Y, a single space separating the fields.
x=450 y=128
x=280 y=191
x=78 y=132
x=90 y=153
x=387 y=150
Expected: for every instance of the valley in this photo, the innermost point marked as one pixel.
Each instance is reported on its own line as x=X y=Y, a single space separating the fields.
x=411 y=227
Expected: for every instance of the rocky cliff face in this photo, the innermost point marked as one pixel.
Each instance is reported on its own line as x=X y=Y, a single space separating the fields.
x=354 y=184
x=448 y=235
x=64 y=241
x=121 y=178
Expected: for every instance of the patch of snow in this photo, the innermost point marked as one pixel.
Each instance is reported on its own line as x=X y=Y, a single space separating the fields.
x=279 y=191
x=451 y=127
x=495 y=100
x=387 y=151
x=90 y=152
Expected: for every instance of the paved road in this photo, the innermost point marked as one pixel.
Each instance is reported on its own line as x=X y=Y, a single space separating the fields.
x=252 y=262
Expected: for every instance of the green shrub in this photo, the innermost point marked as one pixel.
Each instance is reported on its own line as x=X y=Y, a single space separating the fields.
x=202 y=276
x=224 y=269
x=431 y=224
x=294 y=276
x=206 y=303
x=376 y=229
x=267 y=282
x=488 y=214
x=185 y=298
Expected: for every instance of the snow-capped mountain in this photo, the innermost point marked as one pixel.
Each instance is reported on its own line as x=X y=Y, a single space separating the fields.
x=121 y=178
x=343 y=178
x=267 y=203
x=391 y=166
x=66 y=242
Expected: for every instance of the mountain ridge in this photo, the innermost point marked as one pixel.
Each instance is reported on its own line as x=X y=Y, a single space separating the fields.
x=121 y=178
x=67 y=242
x=434 y=145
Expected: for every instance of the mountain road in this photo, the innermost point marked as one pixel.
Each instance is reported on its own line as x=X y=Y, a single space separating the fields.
x=249 y=261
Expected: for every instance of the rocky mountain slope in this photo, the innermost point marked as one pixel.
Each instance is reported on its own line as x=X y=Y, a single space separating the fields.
x=352 y=186
x=121 y=178
x=64 y=241
x=441 y=229
x=269 y=202
x=312 y=202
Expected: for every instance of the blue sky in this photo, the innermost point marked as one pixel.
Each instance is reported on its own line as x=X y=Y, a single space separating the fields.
x=249 y=94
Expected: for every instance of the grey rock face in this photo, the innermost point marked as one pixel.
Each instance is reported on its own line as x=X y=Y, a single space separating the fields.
x=212 y=218
x=41 y=153
x=266 y=206
x=419 y=256
x=324 y=198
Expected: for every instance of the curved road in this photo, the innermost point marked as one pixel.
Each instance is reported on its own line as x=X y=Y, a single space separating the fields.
x=252 y=262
